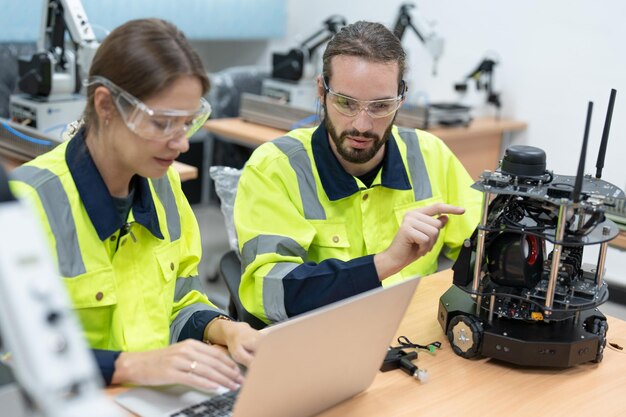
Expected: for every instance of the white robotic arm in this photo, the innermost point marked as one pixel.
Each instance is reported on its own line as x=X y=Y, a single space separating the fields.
x=293 y=65
x=423 y=29
x=60 y=63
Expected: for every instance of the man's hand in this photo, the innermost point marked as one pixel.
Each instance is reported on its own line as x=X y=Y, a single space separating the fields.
x=415 y=238
x=240 y=339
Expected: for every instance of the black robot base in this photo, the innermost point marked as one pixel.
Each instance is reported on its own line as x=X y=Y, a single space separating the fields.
x=561 y=343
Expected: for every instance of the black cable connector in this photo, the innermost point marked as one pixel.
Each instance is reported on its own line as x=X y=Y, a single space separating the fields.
x=398 y=358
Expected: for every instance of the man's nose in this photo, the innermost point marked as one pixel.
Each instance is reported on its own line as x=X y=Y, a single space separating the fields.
x=362 y=121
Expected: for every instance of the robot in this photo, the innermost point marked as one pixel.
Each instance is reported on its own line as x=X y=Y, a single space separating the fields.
x=51 y=79
x=521 y=292
x=423 y=29
x=293 y=73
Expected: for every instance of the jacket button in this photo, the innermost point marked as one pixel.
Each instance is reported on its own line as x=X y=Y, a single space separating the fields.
x=172 y=266
x=113 y=238
x=99 y=295
x=335 y=239
x=365 y=196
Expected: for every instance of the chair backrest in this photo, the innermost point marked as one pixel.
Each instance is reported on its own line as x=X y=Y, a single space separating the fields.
x=230 y=271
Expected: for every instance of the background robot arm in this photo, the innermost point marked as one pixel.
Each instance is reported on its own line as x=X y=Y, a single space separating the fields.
x=57 y=67
x=422 y=28
x=291 y=66
x=482 y=75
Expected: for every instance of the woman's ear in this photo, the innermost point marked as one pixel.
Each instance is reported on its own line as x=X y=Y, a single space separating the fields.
x=103 y=104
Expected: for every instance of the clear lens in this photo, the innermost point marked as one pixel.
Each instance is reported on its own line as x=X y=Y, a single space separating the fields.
x=154 y=124
x=350 y=107
x=376 y=108
x=165 y=125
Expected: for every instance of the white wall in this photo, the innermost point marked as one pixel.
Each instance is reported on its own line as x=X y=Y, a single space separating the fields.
x=554 y=57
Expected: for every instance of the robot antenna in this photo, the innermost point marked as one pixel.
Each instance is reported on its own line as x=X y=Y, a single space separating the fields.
x=605 y=134
x=575 y=197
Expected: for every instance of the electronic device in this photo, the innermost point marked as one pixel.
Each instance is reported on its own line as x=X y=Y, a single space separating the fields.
x=293 y=73
x=306 y=364
x=521 y=292
x=51 y=79
x=482 y=76
x=49 y=356
x=424 y=30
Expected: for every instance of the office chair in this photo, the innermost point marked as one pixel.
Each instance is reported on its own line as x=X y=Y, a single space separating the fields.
x=230 y=271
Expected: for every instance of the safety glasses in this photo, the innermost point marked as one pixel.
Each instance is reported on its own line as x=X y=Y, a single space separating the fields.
x=154 y=124
x=377 y=109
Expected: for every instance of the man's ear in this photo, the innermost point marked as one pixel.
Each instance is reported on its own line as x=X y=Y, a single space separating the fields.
x=320 y=88
x=103 y=103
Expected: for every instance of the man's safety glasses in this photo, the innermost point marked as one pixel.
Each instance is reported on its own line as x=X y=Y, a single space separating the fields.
x=154 y=124
x=350 y=107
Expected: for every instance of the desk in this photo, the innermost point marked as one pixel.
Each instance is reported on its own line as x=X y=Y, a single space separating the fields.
x=484 y=387
x=477 y=146
x=187 y=172
x=620 y=241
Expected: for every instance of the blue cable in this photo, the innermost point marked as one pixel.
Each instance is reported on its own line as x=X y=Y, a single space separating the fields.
x=309 y=119
x=26 y=137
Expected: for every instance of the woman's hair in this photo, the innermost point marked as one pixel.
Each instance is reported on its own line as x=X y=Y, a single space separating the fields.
x=143 y=57
x=368 y=40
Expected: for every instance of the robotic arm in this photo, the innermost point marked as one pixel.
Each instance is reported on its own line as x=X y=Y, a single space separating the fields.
x=290 y=66
x=483 y=77
x=56 y=68
x=423 y=29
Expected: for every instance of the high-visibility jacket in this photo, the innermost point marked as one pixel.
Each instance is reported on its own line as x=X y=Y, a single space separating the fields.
x=308 y=230
x=133 y=282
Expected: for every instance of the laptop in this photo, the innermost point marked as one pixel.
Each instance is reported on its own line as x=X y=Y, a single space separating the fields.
x=302 y=366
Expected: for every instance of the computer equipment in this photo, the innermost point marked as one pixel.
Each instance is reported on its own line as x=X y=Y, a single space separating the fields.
x=50 y=363
x=304 y=365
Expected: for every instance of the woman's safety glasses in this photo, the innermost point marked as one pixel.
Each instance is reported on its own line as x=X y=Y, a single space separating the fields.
x=350 y=107
x=154 y=124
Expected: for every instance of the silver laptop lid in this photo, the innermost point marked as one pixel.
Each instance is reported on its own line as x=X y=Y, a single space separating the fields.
x=312 y=362
x=304 y=365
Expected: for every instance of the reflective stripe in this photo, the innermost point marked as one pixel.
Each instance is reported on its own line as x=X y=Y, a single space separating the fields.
x=301 y=164
x=185 y=285
x=274 y=291
x=417 y=167
x=59 y=213
x=163 y=189
x=280 y=245
x=183 y=316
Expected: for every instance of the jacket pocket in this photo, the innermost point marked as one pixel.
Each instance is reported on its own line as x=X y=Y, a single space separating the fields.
x=93 y=289
x=168 y=258
x=94 y=296
x=402 y=209
x=330 y=235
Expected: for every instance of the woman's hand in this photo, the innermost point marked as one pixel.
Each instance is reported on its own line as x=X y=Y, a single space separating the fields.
x=189 y=362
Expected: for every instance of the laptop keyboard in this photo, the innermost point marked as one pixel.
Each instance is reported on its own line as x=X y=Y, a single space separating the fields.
x=218 y=406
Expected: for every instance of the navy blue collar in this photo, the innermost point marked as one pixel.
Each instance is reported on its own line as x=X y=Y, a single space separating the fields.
x=96 y=198
x=338 y=183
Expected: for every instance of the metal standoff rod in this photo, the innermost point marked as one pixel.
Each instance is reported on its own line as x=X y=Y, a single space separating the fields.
x=480 y=243
x=556 y=256
x=601 y=262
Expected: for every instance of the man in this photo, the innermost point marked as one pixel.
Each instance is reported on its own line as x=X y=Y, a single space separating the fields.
x=328 y=212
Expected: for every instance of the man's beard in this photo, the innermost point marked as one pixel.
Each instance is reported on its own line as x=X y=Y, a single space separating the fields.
x=352 y=155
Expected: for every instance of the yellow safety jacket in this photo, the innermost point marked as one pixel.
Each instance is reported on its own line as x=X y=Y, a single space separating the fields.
x=308 y=230
x=133 y=282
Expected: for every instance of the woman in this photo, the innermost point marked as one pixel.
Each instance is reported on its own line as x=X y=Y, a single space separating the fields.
x=125 y=238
